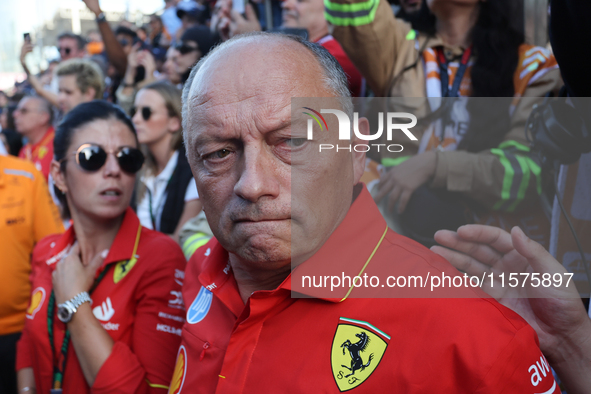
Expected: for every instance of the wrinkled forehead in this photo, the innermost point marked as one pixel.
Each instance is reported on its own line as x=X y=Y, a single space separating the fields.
x=228 y=88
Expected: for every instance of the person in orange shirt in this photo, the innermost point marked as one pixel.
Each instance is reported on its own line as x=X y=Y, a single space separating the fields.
x=27 y=214
x=33 y=118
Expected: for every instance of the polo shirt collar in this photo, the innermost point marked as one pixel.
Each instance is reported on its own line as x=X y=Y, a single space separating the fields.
x=121 y=249
x=347 y=251
x=437 y=41
x=47 y=137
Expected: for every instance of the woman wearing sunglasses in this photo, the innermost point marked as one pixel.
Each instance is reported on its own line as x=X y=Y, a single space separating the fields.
x=105 y=313
x=167 y=195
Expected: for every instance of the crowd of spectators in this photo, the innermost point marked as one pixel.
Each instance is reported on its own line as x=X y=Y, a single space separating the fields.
x=92 y=151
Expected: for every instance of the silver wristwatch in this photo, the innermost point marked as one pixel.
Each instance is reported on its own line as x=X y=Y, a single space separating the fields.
x=66 y=311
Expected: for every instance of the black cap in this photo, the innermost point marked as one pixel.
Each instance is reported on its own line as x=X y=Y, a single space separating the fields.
x=202 y=36
x=191 y=8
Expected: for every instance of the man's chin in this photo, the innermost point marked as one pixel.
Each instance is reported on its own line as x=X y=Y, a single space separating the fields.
x=264 y=248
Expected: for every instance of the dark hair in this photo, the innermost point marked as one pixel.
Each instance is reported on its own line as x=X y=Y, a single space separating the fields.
x=496 y=44
x=74 y=120
x=80 y=41
x=10 y=108
x=422 y=20
x=126 y=31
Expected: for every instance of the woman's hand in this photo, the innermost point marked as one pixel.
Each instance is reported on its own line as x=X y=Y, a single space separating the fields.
x=400 y=182
x=146 y=59
x=71 y=277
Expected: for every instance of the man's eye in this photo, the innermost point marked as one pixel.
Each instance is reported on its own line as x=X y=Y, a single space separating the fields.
x=295 y=142
x=220 y=154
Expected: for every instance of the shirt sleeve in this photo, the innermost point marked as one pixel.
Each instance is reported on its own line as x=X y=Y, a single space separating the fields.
x=24 y=346
x=147 y=365
x=370 y=35
x=23 y=350
x=504 y=177
x=192 y=193
x=46 y=218
x=521 y=368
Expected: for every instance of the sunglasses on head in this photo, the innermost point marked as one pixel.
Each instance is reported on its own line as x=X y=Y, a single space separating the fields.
x=65 y=50
x=145 y=111
x=184 y=48
x=92 y=158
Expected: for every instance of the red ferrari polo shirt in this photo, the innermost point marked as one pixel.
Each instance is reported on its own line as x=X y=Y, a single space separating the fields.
x=138 y=302
x=277 y=343
x=40 y=154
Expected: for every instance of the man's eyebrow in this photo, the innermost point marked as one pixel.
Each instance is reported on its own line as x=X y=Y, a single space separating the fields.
x=281 y=126
x=208 y=138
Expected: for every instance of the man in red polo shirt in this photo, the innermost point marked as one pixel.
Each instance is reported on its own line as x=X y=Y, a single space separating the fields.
x=309 y=15
x=274 y=203
x=32 y=118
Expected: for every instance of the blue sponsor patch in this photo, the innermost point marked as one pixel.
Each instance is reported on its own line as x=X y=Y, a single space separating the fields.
x=200 y=306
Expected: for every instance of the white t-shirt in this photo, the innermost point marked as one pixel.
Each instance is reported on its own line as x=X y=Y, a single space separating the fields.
x=156 y=194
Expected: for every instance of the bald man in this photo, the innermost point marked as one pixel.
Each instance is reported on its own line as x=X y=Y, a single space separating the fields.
x=282 y=211
x=33 y=118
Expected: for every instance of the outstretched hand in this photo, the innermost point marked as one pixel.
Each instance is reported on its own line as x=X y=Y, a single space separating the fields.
x=25 y=49
x=241 y=25
x=93 y=5
x=555 y=312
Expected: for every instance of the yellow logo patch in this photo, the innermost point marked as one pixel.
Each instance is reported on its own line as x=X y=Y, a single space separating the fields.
x=122 y=268
x=42 y=152
x=180 y=369
x=357 y=349
x=37 y=299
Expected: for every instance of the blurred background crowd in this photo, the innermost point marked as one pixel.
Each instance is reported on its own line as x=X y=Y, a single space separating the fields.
x=140 y=61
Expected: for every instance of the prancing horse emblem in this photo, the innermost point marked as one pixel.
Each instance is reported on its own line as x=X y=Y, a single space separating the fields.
x=354 y=350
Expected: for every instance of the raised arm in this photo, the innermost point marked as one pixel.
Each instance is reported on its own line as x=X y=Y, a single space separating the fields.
x=114 y=50
x=33 y=80
x=372 y=38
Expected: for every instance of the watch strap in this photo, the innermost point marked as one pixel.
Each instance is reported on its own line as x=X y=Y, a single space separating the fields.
x=79 y=300
x=101 y=18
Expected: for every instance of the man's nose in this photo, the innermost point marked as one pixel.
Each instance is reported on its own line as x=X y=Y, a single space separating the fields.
x=259 y=176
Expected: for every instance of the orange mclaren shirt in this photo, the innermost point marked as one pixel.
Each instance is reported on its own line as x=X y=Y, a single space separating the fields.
x=40 y=154
x=27 y=214
x=276 y=343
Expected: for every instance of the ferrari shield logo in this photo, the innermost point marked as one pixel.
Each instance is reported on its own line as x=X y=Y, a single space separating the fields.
x=357 y=349
x=122 y=268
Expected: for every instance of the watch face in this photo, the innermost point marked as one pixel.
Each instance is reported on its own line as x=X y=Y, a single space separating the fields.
x=64 y=314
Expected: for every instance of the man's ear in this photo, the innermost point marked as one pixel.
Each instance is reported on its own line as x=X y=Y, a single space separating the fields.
x=89 y=95
x=58 y=176
x=359 y=157
x=174 y=124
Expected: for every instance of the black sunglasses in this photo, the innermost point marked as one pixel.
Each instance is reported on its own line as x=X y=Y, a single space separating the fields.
x=184 y=48
x=146 y=112
x=124 y=42
x=92 y=158
x=66 y=50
